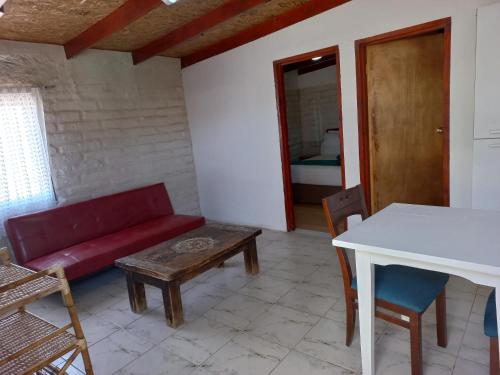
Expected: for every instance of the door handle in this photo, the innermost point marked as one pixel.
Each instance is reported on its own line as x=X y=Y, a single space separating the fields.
x=439 y=130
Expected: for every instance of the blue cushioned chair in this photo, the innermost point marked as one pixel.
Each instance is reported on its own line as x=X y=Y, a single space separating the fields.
x=491 y=330
x=402 y=290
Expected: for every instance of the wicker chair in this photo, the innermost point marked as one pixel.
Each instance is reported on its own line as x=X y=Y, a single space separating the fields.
x=28 y=343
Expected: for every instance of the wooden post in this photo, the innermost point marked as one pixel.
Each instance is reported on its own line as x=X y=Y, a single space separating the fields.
x=136 y=294
x=70 y=305
x=4 y=256
x=442 y=335
x=251 y=259
x=416 y=344
x=494 y=363
x=173 y=304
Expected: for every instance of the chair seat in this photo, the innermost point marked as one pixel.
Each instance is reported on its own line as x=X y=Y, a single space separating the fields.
x=490 y=317
x=412 y=288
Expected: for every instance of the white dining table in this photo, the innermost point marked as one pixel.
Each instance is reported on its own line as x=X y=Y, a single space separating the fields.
x=457 y=241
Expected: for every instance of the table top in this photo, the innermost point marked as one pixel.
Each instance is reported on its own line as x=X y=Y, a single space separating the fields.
x=457 y=236
x=175 y=258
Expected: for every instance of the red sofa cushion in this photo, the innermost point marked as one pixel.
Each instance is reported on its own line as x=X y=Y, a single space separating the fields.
x=36 y=235
x=89 y=256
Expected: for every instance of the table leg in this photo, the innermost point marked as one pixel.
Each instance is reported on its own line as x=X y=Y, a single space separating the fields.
x=173 y=304
x=251 y=259
x=365 y=274
x=136 y=294
x=497 y=302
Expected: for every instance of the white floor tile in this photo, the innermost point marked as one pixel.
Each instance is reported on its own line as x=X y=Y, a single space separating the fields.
x=198 y=340
x=119 y=314
x=393 y=358
x=475 y=345
x=158 y=361
x=202 y=298
x=289 y=319
x=267 y=288
x=282 y=325
x=114 y=352
x=297 y=363
x=326 y=341
x=97 y=329
x=152 y=326
x=238 y=311
x=246 y=355
x=307 y=302
x=465 y=367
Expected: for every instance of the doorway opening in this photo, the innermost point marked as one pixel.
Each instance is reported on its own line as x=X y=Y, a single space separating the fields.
x=310 y=119
x=403 y=82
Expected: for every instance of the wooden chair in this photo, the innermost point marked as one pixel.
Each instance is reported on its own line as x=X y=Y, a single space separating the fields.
x=402 y=290
x=491 y=330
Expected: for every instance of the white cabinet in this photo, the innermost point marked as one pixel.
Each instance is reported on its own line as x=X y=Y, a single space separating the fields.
x=487 y=112
x=486 y=174
x=486 y=163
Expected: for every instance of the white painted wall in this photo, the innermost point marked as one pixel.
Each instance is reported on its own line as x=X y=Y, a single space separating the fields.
x=232 y=106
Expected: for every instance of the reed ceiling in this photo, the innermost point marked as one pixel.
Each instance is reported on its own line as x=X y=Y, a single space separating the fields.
x=61 y=21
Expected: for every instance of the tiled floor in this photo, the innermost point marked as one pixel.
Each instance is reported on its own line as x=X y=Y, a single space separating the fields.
x=287 y=320
x=310 y=217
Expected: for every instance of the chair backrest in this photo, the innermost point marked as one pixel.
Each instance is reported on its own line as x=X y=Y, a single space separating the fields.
x=337 y=208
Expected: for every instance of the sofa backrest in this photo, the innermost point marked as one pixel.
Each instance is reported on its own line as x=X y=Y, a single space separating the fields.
x=44 y=232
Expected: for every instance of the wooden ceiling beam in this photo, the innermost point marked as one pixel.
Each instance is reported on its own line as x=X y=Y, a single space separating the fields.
x=129 y=12
x=300 y=13
x=193 y=28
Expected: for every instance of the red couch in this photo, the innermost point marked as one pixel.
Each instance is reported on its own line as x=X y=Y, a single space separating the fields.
x=87 y=236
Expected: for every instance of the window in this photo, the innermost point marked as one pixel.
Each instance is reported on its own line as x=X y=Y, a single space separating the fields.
x=25 y=183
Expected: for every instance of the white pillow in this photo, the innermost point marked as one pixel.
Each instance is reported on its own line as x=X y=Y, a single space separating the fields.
x=331 y=143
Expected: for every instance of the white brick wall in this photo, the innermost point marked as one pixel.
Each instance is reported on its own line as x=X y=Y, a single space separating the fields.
x=310 y=111
x=111 y=126
x=292 y=97
x=318 y=111
x=311 y=104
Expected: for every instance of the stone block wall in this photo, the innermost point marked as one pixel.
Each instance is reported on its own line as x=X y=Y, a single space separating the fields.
x=318 y=112
x=293 y=116
x=110 y=125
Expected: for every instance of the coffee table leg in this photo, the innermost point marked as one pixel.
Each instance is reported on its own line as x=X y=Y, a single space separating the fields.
x=136 y=294
x=251 y=259
x=173 y=304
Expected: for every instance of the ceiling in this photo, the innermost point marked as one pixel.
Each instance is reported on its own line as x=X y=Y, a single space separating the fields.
x=62 y=21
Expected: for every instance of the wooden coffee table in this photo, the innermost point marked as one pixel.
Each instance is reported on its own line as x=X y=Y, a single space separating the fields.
x=171 y=263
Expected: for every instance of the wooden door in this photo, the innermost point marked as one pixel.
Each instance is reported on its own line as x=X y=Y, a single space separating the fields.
x=405 y=97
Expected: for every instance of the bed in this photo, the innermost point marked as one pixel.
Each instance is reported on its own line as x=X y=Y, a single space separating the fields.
x=318 y=170
x=319 y=176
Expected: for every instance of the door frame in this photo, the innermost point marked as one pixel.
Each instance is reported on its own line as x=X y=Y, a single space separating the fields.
x=283 y=124
x=441 y=25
